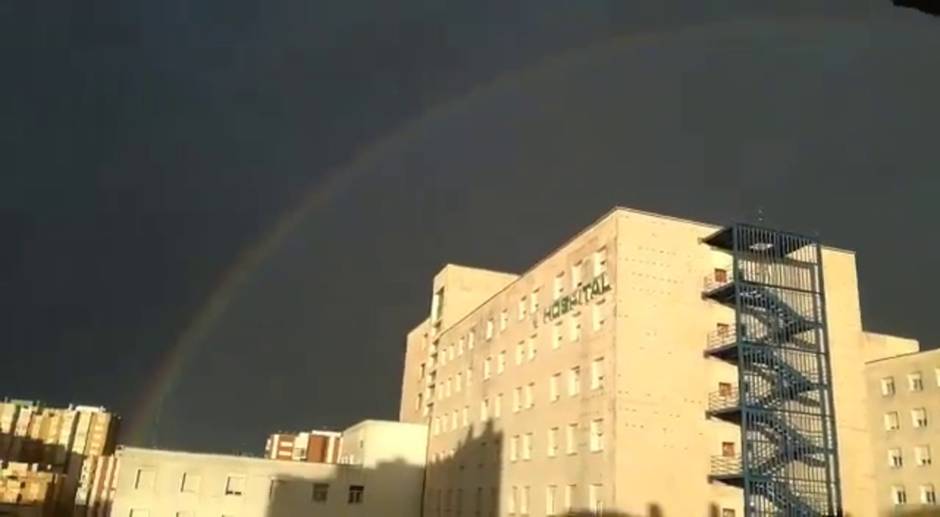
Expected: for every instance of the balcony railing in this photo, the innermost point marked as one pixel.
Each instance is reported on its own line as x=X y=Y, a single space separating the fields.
x=723 y=400
x=719 y=338
x=713 y=282
x=725 y=465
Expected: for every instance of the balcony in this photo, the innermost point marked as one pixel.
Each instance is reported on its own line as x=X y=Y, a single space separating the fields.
x=725 y=404
x=720 y=340
x=719 y=286
x=727 y=469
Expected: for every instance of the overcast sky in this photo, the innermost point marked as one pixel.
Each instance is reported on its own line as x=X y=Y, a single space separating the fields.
x=146 y=146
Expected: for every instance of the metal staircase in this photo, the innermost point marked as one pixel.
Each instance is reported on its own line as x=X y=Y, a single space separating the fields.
x=783 y=401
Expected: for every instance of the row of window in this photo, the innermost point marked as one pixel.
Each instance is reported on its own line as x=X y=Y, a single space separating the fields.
x=523 y=397
x=521 y=446
x=921 y=456
x=915 y=382
x=527 y=305
x=235 y=486
x=927 y=494
x=893 y=420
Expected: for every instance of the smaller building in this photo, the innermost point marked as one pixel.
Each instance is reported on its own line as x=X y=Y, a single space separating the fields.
x=310 y=446
x=904 y=412
x=28 y=489
x=383 y=475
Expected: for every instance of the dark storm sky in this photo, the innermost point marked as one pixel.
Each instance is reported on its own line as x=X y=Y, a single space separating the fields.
x=144 y=145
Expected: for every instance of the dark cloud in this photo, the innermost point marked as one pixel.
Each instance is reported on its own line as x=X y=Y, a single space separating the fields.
x=147 y=143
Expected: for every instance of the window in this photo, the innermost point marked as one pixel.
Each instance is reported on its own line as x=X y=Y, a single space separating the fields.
x=460 y=346
x=513 y=496
x=597 y=373
x=922 y=455
x=458 y=383
x=559 y=286
x=936 y=373
x=574 y=328
x=600 y=261
x=574 y=381
x=597 y=315
x=453 y=420
x=516 y=400
x=235 y=485
x=144 y=479
x=356 y=493
x=521 y=309
x=728 y=450
x=534 y=303
x=530 y=395
x=484 y=410
x=450 y=352
x=721 y=275
x=520 y=352
x=597 y=435
x=571 y=437
x=514 y=448
x=190 y=483
x=727 y=512
x=498 y=406
x=503 y=320
x=489 y=329
x=478 y=502
x=915 y=382
x=465 y=416
x=437 y=305
x=320 y=492
x=524 y=501
x=501 y=362
x=892 y=422
x=527 y=446
x=569 y=497
x=551 y=504
x=436 y=427
x=895 y=460
x=556 y=335
x=898 y=495
x=919 y=417
x=553 y=383
x=927 y=494
x=487 y=367
x=469 y=377
x=532 y=347
x=471 y=337
x=552 y=442
x=887 y=386
x=594 y=494
x=576 y=270
x=447 y=388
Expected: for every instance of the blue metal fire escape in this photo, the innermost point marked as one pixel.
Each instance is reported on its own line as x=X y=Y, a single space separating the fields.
x=783 y=402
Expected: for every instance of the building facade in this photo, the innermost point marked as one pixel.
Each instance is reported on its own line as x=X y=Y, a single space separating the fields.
x=904 y=409
x=383 y=476
x=609 y=375
x=310 y=446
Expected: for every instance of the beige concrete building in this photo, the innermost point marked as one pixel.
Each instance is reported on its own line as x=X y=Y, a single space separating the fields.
x=382 y=475
x=904 y=409
x=606 y=403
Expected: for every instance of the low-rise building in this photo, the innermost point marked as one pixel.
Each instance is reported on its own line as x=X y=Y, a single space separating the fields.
x=28 y=489
x=312 y=446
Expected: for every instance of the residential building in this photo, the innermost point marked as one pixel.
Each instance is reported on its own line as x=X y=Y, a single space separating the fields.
x=311 y=446
x=382 y=474
x=28 y=490
x=904 y=418
x=637 y=369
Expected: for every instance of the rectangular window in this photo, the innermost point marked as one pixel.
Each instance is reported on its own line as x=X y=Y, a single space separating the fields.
x=919 y=417
x=898 y=495
x=574 y=381
x=530 y=395
x=527 y=446
x=465 y=416
x=727 y=512
x=895 y=460
x=556 y=335
x=553 y=387
x=516 y=400
x=471 y=338
x=144 y=479
x=597 y=435
x=915 y=382
x=451 y=349
x=484 y=410
x=597 y=315
x=576 y=274
x=356 y=494
x=453 y=420
x=321 y=492
x=600 y=261
x=524 y=501
x=597 y=373
x=478 y=502
x=551 y=503
x=461 y=344
x=922 y=455
x=532 y=347
x=514 y=448
x=521 y=309
x=190 y=483
x=503 y=320
x=574 y=327
x=728 y=450
x=489 y=329
x=569 y=497
x=595 y=494
x=469 y=380
x=498 y=406
x=235 y=485
x=552 y=442
x=559 y=287
x=892 y=422
x=887 y=386
x=520 y=352
x=927 y=495
x=534 y=303
x=513 y=497
x=501 y=362
x=487 y=367
x=571 y=439
x=458 y=382
x=447 y=388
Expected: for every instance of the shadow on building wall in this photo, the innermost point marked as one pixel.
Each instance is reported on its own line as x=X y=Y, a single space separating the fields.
x=59 y=499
